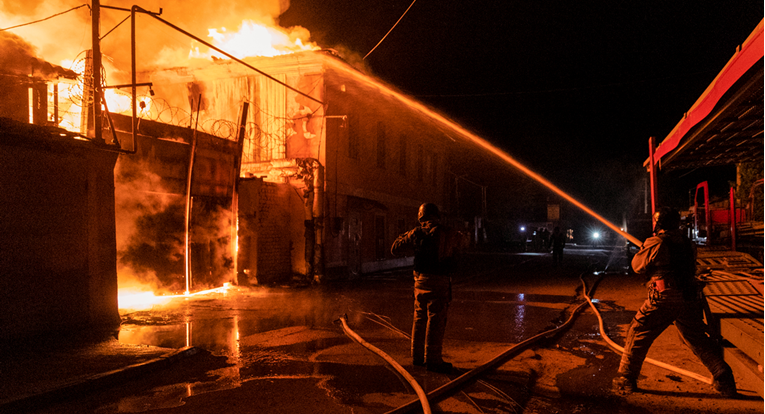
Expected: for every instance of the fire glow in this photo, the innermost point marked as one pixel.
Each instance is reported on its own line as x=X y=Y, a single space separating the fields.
x=256 y=39
x=131 y=299
x=252 y=39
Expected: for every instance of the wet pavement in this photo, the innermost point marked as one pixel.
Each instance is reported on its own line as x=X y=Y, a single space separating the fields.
x=281 y=349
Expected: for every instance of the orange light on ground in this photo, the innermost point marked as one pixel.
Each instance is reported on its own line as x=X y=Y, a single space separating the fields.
x=131 y=299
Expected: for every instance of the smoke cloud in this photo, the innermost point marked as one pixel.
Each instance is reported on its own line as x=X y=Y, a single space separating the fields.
x=150 y=226
x=151 y=238
x=18 y=57
x=62 y=39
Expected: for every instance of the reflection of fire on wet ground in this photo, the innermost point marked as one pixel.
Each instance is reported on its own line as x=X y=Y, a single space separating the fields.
x=152 y=318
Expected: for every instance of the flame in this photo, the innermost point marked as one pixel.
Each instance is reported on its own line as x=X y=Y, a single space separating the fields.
x=121 y=102
x=137 y=299
x=128 y=299
x=258 y=39
x=251 y=39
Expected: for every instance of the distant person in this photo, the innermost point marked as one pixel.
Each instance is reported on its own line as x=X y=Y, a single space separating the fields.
x=537 y=240
x=435 y=247
x=545 y=236
x=557 y=243
x=669 y=260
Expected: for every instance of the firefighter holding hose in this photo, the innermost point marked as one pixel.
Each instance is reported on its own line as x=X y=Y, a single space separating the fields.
x=669 y=260
x=435 y=246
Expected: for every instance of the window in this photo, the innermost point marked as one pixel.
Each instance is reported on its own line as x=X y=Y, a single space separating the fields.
x=402 y=154
x=434 y=177
x=353 y=139
x=380 y=145
x=428 y=166
x=420 y=164
x=380 y=245
x=401 y=227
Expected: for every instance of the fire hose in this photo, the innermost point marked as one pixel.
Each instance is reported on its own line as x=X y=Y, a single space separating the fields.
x=443 y=391
x=620 y=349
x=423 y=399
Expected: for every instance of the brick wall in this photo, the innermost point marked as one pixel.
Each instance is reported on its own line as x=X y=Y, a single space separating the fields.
x=274 y=245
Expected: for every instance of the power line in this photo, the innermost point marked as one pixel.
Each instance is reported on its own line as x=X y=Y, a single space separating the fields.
x=113 y=28
x=391 y=29
x=581 y=88
x=42 y=20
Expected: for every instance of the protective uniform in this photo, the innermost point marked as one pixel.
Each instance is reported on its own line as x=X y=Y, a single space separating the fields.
x=434 y=249
x=669 y=259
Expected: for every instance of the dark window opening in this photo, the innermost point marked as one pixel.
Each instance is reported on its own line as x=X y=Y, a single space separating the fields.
x=353 y=139
x=380 y=245
x=420 y=163
x=381 y=145
x=402 y=155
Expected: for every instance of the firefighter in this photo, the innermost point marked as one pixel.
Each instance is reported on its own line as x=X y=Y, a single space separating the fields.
x=434 y=246
x=669 y=260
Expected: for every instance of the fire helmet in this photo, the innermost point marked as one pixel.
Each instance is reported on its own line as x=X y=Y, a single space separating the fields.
x=666 y=218
x=427 y=212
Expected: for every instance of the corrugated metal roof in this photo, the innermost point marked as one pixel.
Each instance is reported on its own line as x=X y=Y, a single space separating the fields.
x=733 y=288
x=730 y=261
x=734 y=291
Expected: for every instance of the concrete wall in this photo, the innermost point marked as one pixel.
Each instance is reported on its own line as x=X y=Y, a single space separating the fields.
x=57 y=234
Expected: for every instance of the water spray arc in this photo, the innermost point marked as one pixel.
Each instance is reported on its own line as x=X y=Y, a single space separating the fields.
x=481 y=143
x=505 y=157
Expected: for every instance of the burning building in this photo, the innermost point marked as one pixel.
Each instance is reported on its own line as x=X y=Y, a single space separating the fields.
x=253 y=171
x=333 y=166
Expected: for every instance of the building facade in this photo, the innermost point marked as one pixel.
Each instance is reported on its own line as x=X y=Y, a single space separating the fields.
x=337 y=160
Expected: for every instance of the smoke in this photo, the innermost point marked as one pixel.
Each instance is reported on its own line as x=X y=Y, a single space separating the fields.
x=354 y=59
x=151 y=239
x=18 y=57
x=150 y=229
x=63 y=38
x=57 y=40
x=211 y=249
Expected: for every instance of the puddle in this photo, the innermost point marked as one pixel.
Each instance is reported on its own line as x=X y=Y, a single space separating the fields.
x=291 y=336
x=509 y=322
x=482 y=296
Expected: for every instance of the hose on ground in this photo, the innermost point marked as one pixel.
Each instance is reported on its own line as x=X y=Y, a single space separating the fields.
x=441 y=392
x=423 y=399
x=620 y=349
x=385 y=322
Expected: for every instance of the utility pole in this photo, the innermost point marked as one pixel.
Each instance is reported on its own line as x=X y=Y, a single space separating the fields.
x=96 y=47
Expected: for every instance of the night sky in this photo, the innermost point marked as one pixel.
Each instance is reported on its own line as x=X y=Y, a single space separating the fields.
x=571 y=89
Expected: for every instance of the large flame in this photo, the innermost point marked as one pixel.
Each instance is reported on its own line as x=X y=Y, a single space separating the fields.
x=61 y=41
x=258 y=39
x=136 y=299
x=259 y=36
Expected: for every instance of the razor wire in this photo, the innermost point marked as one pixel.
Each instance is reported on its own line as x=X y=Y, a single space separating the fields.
x=265 y=139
